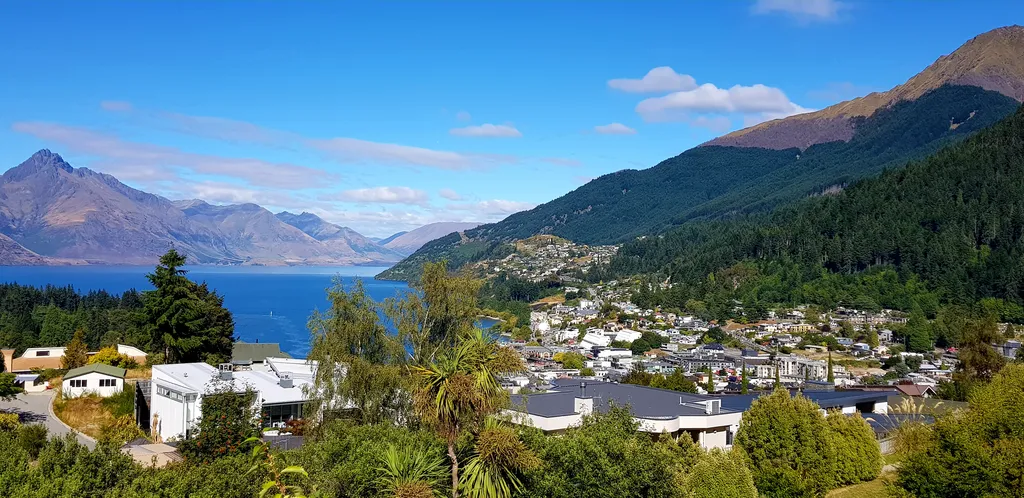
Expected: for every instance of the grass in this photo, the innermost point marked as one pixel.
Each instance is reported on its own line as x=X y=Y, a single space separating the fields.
x=139 y=373
x=870 y=489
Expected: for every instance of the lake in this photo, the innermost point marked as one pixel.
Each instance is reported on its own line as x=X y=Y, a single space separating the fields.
x=269 y=304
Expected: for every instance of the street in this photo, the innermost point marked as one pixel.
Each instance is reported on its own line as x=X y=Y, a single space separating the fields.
x=34 y=409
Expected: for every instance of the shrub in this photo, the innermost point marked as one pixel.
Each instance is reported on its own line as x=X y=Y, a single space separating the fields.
x=110 y=356
x=32 y=438
x=9 y=422
x=858 y=455
x=719 y=473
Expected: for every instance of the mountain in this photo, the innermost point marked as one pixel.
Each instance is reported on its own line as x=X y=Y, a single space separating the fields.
x=341 y=239
x=12 y=253
x=406 y=243
x=949 y=228
x=57 y=212
x=389 y=238
x=992 y=61
x=725 y=179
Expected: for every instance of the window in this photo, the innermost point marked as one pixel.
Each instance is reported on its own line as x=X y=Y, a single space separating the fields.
x=79 y=383
x=108 y=382
x=167 y=393
x=729 y=437
x=42 y=353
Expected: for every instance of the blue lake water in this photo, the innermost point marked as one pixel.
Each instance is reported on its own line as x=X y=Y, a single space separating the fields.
x=269 y=304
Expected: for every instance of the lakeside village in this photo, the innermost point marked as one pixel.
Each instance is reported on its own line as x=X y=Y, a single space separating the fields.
x=590 y=347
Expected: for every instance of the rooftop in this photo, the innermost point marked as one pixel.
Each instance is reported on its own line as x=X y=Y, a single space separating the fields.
x=645 y=402
x=102 y=368
x=249 y=352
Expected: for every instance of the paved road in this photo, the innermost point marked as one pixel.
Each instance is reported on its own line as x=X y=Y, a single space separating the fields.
x=35 y=408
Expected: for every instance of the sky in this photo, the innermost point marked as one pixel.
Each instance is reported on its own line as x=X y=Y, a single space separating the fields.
x=385 y=116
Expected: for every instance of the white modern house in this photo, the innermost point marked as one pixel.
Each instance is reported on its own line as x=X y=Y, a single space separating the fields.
x=177 y=392
x=99 y=379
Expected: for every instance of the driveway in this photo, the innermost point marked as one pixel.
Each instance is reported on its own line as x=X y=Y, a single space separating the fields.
x=35 y=409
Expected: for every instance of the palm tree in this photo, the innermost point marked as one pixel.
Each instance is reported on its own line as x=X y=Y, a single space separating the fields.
x=461 y=388
x=411 y=473
x=491 y=471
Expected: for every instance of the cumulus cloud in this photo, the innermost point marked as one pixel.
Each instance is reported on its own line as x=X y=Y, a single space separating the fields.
x=805 y=10
x=614 y=129
x=708 y=98
x=382 y=195
x=657 y=80
x=487 y=130
x=116 y=106
x=449 y=194
x=463 y=116
x=116 y=154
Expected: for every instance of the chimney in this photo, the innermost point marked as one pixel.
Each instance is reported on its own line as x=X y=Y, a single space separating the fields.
x=8 y=360
x=226 y=371
x=285 y=381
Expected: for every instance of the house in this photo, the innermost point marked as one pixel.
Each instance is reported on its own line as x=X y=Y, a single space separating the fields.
x=136 y=354
x=657 y=411
x=98 y=378
x=31 y=383
x=916 y=390
x=177 y=392
x=33 y=358
x=248 y=353
x=861 y=347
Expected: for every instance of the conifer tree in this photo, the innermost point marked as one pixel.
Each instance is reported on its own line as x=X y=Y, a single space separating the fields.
x=745 y=381
x=831 y=376
x=76 y=354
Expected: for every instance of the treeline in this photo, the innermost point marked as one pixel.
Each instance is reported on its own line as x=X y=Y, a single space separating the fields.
x=180 y=320
x=946 y=229
x=49 y=316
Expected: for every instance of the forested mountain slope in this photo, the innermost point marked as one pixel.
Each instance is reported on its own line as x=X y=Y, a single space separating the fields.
x=954 y=221
x=712 y=182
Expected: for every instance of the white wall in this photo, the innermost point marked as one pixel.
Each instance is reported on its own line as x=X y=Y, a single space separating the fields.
x=92 y=386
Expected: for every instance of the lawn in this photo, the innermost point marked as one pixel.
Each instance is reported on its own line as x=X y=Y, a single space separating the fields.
x=870 y=489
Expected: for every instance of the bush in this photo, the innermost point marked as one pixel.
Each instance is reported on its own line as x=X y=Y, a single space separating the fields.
x=122 y=403
x=32 y=438
x=110 y=356
x=9 y=422
x=788 y=446
x=719 y=473
x=858 y=455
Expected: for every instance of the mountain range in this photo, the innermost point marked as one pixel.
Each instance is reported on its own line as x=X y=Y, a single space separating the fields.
x=773 y=163
x=53 y=213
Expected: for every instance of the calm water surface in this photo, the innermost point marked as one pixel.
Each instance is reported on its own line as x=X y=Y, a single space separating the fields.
x=270 y=304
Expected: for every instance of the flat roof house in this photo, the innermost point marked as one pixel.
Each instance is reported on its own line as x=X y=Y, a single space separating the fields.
x=97 y=378
x=178 y=390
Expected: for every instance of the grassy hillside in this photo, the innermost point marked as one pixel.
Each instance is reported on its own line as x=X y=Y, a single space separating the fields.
x=718 y=182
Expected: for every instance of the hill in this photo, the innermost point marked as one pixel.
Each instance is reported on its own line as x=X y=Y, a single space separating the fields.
x=342 y=240
x=51 y=211
x=990 y=60
x=406 y=243
x=949 y=228
x=719 y=181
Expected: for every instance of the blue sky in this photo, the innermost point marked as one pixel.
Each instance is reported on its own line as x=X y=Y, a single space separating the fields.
x=390 y=115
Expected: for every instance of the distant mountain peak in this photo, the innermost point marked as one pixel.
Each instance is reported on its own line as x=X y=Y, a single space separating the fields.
x=991 y=60
x=47 y=159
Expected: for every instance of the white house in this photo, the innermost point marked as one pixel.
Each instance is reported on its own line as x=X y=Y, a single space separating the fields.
x=98 y=378
x=178 y=390
x=595 y=339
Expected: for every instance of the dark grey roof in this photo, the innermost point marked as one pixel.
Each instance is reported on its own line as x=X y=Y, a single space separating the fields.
x=645 y=402
x=256 y=351
x=824 y=399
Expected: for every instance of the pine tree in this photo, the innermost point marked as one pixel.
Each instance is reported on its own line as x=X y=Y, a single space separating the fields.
x=77 y=353
x=711 y=381
x=778 y=379
x=745 y=381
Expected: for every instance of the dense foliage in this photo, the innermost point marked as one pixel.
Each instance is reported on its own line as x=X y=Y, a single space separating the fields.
x=712 y=182
x=972 y=453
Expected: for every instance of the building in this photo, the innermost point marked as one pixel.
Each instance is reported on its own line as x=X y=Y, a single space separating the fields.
x=700 y=418
x=177 y=392
x=99 y=379
x=248 y=353
x=33 y=358
x=136 y=354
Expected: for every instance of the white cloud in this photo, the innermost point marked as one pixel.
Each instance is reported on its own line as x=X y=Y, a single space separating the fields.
x=449 y=194
x=657 y=80
x=353 y=150
x=382 y=195
x=710 y=99
x=487 y=130
x=614 y=129
x=116 y=106
x=114 y=154
x=463 y=116
x=804 y=10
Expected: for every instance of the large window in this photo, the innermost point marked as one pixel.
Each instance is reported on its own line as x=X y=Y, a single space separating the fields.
x=277 y=415
x=108 y=382
x=79 y=383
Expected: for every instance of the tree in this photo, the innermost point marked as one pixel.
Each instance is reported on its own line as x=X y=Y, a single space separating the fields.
x=572 y=361
x=787 y=445
x=858 y=455
x=745 y=381
x=229 y=419
x=8 y=389
x=411 y=472
x=458 y=390
x=185 y=320
x=76 y=353
x=110 y=356
x=711 y=381
x=978 y=360
x=872 y=337
x=719 y=473
x=639 y=347
x=676 y=381
x=349 y=337
x=638 y=375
